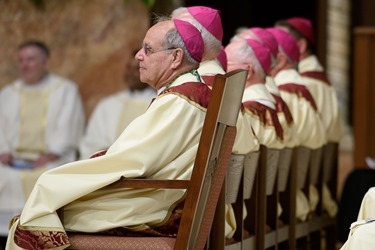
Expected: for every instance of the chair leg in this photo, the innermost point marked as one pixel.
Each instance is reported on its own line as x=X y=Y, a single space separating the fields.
x=315 y=240
x=302 y=244
x=331 y=238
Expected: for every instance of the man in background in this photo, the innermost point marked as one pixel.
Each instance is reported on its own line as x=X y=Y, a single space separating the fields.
x=42 y=121
x=114 y=113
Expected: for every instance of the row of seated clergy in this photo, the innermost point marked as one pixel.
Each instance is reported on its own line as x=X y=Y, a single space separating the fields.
x=259 y=105
x=314 y=79
x=259 y=112
x=208 y=20
x=264 y=227
x=310 y=132
x=322 y=91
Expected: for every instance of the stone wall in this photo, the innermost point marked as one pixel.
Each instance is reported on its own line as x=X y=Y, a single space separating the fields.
x=90 y=40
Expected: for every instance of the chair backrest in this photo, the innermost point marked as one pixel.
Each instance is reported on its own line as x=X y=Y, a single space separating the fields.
x=234 y=176
x=250 y=168
x=315 y=165
x=272 y=169
x=330 y=155
x=303 y=160
x=239 y=166
x=210 y=166
x=285 y=161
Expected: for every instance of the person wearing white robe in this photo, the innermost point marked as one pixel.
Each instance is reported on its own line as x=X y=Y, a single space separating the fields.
x=362 y=232
x=253 y=56
x=111 y=116
x=323 y=92
x=208 y=21
x=160 y=144
x=240 y=55
x=325 y=97
x=314 y=76
x=308 y=124
x=42 y=121
x=367 y=209
x=115 y=112
x=361 y=236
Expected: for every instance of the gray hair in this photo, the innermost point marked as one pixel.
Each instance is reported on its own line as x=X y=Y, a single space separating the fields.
x=245 y=54
x=249 y=34
x=288 y=58
x=173 y=39
x=212 y=46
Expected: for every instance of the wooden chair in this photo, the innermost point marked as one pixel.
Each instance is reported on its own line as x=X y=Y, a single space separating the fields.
x=238 y=191
x=267 y=182
x=299 y=230
x=321 y=225
x=250 y=198
x=203 y=188
x=287 y=192
x=257 y=190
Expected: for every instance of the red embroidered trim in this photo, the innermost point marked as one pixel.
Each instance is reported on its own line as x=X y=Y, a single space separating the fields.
x=318 y=75
x=267 y=115
x=282 y=107
x=100 y=153
x=300 y=91
x=195 y=91
x=209 y=80
x=39 y=240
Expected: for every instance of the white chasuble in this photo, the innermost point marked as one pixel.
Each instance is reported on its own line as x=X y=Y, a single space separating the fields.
x=46 y=117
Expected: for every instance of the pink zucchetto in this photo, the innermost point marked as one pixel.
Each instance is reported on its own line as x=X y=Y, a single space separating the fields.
x=303 y=26
x=267 y=39
x=192 y=38
x=287 y=42
x=208 y=18
x=222 y=58
x=262 y=53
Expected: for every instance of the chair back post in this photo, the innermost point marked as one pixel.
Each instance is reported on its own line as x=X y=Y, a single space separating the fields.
x=212 y=160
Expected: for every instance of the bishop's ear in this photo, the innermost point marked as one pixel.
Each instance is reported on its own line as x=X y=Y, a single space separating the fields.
x=177 y=57
x=250 y=71
x=302 y=44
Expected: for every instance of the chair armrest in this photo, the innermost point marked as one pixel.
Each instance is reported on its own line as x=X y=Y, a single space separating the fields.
x=149 y=183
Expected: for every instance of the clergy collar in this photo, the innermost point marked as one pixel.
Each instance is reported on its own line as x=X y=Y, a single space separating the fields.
x=189 y=76
x=210 y=67
x=288 y=76
x=256 y=92
x=35 y=86
x=310 y=63
x=271 y=86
